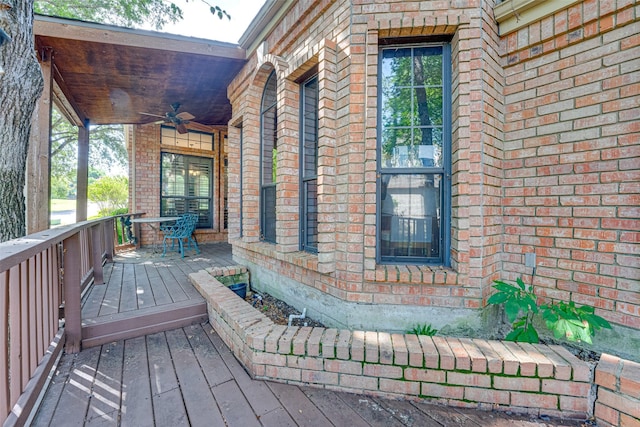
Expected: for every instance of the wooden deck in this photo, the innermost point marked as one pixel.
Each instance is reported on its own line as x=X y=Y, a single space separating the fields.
x=188 y=377
x=146 y=293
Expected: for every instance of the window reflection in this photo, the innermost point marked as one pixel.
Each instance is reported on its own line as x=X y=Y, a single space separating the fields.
x=410 y=215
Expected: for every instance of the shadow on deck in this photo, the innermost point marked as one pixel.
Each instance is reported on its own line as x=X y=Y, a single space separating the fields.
x=145 y=293
x=177 y=375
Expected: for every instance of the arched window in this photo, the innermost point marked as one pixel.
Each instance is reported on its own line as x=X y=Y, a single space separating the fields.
x=269 y=151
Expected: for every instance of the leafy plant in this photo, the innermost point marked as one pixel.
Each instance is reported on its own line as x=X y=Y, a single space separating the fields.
x=565 y=320
x=573 y=323
x=423 y=329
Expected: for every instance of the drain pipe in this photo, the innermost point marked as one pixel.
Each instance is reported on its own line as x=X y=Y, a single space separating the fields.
x=298 y=316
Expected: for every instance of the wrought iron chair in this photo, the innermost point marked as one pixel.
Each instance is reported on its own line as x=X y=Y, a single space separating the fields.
x=182 y=229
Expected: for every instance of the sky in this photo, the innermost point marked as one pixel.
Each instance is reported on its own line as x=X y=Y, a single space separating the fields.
x=199 y=22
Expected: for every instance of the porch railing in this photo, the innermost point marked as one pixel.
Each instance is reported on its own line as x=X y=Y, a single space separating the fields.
x=42 y=276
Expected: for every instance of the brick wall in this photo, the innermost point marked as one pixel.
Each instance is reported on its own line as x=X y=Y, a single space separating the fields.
x=618 y=401
x=544 y=157
x=571 y=156
x=534 y=379
x=346 y=52
x=144 y=179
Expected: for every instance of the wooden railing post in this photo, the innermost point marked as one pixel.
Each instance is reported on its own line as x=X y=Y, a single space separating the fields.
x=107 y=231
x=97 y=232
x=72 y=282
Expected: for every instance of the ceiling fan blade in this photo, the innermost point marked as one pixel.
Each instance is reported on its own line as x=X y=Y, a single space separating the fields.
x=181 y=128
x=185 y=116
x=152 y=115
x=200 y=127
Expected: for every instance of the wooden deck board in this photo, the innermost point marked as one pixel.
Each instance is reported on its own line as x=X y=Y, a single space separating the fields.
x=160 y=380
x=406 y=413
x=71 y=409
x=128 y=297
x=211 y=362
x=334 y=408
x=168 y=406
x=188 y=376
x=106 y=395
x=260 y=397
x=198 y=399
x=370 y=411
x=136 y=410
x=301 y=409
x=234 y=406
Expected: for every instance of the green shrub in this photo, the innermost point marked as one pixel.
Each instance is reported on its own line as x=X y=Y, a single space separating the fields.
x=565 y=320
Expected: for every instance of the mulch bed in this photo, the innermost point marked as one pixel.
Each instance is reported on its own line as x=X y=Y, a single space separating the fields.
x=278 y=311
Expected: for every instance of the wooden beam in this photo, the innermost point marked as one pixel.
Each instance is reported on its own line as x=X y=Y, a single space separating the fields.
x=63 y=99
x=99 y=33
x=83 y=173
x=39 y=154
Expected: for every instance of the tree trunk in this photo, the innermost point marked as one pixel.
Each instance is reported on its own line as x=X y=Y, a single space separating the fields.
x=20 y=87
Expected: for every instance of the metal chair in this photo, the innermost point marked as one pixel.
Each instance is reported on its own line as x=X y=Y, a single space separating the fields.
x=182 y=229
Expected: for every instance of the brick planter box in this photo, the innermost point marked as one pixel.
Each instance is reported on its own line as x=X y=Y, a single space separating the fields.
x=535 y=379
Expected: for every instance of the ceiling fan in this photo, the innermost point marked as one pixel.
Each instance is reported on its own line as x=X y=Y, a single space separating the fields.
x=179 y=120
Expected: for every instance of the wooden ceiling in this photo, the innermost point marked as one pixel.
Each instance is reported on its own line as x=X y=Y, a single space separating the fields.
x=109 y=75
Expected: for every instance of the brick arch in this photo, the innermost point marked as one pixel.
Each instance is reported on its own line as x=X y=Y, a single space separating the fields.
x=251 y=141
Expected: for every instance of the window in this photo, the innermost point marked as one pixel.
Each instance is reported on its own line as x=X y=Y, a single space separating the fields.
x=309 y=165
x=269 y=151
x=241 y=207
x=414 y=154
x=190 y=139
x=186 y=183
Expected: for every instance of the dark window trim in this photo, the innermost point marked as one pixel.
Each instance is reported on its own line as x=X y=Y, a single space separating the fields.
x=444 y=259
x=304 y=178
x=240 y=207
x=211 y=197
x=264 y=186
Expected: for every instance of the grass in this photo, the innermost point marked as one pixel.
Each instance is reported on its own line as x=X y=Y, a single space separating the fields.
x=58 y=205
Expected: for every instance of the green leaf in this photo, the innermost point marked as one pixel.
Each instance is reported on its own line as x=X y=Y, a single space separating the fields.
x=586 y=309
x=511 y=308
x=520 y=322
x=531 y=303
x=498 y=298
x=598 y=321
x=513 y=335
x=505 y=287
x=530 y=335
x=521 y=284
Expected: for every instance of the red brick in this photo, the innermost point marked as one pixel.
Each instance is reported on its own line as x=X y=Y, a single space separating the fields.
x=400 y=387
x=629 y=421
x=474 y=379
x=384 y=371
x=425 y=375
x=630 y=379
x=531 y=400
x=343 y=366
x=442 y=391
x=568 y=388
x=359 y=382
x=516 y=383
x=606 y=414
x=486 y=395
x=574 y=404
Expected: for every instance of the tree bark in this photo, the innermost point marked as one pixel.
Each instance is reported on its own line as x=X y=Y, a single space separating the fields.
x=20 y=87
